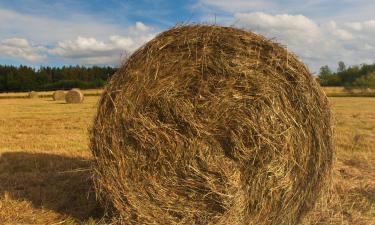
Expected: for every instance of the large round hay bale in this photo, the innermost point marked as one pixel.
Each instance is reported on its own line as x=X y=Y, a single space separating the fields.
x=74 y=96
x=58 y=95
x=211 y=125
x=33 y=94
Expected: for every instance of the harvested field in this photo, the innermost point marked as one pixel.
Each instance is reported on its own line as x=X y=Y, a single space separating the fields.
x=33 y=94
x=45 y=159
x=343 y=92
x=46 y=94
x=330 y=91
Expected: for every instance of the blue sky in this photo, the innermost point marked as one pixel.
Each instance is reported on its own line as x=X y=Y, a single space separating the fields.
x=70 y=32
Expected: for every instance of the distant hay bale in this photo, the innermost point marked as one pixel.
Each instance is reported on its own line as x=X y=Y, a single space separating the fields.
x=367 y=90
x=211 y=125
x=58 y=95
x=74 y=96
x=33 y=94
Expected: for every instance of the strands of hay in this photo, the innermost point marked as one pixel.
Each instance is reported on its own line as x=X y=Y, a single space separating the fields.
x=211 y=125
x=74 y=96
x=58 y=95
x=33 y=94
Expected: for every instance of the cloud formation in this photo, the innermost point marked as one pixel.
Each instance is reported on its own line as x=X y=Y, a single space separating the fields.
x=322 y=35
x=319 y=32
x=46 y=29
x=316 y=43
x=90 y=50
x=20 y=48
x=84 y=43
x=77 y=39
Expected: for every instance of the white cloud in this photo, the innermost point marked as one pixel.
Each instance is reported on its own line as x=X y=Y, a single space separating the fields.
x=141 y=26
x=316 y=43
x=295 y=22
x=356 y=26
x=338 y=32
x=16 y=42
x=122 y=42
x=89 y=50
x=346 y=10
x=319 y=31
x=368 y=25
x=19 y=48
x=79 y=39
x=81 y=45
x=49 y=30
x=283 y=26
x=313 y=29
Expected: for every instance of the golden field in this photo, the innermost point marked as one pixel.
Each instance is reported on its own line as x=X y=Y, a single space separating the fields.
x=46 y=94
x=45 y=162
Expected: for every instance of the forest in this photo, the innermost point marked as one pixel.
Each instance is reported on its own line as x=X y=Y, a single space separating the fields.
x=357 y=76
x=24 y=78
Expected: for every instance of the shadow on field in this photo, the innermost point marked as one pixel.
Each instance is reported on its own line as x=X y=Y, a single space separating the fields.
x=54 y=182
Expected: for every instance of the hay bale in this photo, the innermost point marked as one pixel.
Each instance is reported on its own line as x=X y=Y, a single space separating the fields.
x=33 y=94
x=211 y=125
x=74 y=96
x=58 y=95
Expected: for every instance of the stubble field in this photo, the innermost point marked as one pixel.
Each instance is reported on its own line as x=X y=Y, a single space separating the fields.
x=45 y=163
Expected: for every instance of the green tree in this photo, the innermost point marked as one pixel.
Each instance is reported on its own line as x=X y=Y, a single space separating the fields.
x=341 y=67
x=365 y=81
x=24 y=78
x=327 y=77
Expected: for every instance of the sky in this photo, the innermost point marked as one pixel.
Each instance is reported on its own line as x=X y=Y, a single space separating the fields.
x=79 y=32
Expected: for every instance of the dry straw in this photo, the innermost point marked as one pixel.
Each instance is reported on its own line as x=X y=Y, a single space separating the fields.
x=33 y=94
x=211 y=125
x=74 y=96
x=58 y=95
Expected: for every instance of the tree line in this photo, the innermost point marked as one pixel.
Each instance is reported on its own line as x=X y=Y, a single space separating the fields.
x=24 y=78
x=357 y=76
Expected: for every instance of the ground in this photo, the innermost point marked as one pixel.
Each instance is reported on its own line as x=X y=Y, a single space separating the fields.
x=45 y=163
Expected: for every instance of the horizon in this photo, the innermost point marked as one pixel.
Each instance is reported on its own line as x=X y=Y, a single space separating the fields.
x=39 y=33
